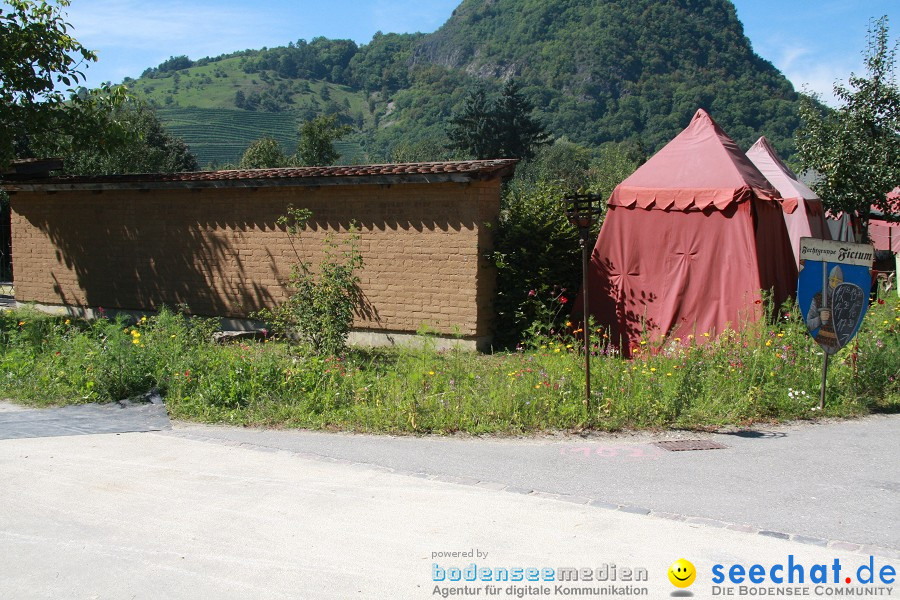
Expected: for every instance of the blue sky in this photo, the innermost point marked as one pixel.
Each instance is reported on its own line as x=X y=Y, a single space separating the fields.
x=813 y=43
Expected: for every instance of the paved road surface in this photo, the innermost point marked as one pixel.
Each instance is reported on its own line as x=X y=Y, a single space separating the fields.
x=200 y=512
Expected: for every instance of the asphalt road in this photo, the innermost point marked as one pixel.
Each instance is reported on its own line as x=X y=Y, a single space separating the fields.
x=836 y=481
x=213 y=512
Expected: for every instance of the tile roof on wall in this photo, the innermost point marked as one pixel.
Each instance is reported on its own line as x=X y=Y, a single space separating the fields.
x=426 y=172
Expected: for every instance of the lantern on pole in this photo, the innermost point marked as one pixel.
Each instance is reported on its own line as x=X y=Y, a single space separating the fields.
x=583 y=211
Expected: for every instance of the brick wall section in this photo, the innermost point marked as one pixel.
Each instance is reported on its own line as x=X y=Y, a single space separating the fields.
x=221 y=252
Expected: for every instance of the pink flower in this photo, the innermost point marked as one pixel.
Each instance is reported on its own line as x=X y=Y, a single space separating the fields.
x=563 y=299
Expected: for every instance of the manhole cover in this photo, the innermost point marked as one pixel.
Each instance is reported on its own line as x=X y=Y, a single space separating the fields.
x=682 y=445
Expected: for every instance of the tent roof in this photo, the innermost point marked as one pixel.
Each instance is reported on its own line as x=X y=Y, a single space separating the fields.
x=766 y=159
x=699 y=168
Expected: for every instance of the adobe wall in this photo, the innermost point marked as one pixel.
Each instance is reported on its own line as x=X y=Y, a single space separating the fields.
x=221 y=252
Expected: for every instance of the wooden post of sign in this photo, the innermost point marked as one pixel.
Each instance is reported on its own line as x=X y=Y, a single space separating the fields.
x=586 y=327
x=824 y=350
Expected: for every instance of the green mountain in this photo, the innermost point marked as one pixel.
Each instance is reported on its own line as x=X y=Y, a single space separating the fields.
x=597 y=71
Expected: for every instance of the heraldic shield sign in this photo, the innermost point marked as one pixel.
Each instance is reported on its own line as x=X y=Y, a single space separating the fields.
x=833 y=289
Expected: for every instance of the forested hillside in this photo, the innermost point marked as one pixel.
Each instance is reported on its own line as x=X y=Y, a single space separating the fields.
x=597 y=71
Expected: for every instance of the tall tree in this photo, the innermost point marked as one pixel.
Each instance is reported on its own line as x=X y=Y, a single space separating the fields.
x=503 y=128
x=519 y=134
x=856 y=148
x=119 y=136
x=471 y=130
x=36 y=54
x=317 y=138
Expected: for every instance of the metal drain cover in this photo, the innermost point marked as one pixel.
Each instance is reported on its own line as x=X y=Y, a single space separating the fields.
x=683 y=445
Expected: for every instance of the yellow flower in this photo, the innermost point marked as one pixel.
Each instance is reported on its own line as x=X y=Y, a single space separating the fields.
x=135 y=333
x=431 y=372
x=768 y=342
x=568 y=345
x=653 y=369
x=668 y=374
x=780 y=335
x=705 y=334
x=643 y=342
x=556 y=350
x=677 y=339
x=135 y=341
x=68 y=321
x=173 y=335
x=143 y=319
x=568 y=323
x=537 y=386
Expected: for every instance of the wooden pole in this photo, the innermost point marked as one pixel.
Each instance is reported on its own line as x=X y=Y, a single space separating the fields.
x=586 y=327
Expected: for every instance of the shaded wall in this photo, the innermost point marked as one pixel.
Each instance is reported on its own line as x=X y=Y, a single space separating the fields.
x=221 y=252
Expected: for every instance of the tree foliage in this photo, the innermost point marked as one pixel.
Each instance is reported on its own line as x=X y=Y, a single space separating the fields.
x=856 y=148
x=264 y=153
x=317 y=138
x=503 y=128
x=116 y=134
x=37 y=53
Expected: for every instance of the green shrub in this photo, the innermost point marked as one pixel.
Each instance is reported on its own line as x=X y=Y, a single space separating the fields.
x=321 y=305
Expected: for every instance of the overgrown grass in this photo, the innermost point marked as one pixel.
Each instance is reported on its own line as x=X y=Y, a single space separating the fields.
x=766 y=373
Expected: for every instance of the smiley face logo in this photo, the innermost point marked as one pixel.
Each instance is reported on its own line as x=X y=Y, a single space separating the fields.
x=682 y=573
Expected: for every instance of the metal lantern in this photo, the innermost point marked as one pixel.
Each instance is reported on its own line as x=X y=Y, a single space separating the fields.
x=583 y=211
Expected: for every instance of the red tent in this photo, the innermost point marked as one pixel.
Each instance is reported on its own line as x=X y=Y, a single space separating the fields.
x=689 y=241
x=808 y=220
x=884 y=234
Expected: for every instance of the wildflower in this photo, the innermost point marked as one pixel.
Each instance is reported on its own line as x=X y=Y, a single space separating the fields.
x=706 y=334
x=537 y=386
x=173 y=335
x=678 y=339
x=143 y=319
x=135 y=341
x=431 y=372
x=556 y=349
x=531 y=293
x=568 y=345
x=643 y=342
x=563 y=299
x=653 y=369
x=668 y=374
x=68 y=321
x=780 y=335
x=768 y=342
x=568 y=323
x=23 y=322
x=880 y=301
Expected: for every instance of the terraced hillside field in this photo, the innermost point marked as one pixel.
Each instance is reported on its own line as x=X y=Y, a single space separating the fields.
x=219 y=136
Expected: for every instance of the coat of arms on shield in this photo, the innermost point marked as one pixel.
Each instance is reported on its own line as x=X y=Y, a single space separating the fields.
x=833 y=289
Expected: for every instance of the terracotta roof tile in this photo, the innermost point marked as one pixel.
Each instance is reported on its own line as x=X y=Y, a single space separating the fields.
x=412 y=172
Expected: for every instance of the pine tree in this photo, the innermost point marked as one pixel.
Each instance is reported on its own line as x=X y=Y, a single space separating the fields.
x=503 y=128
